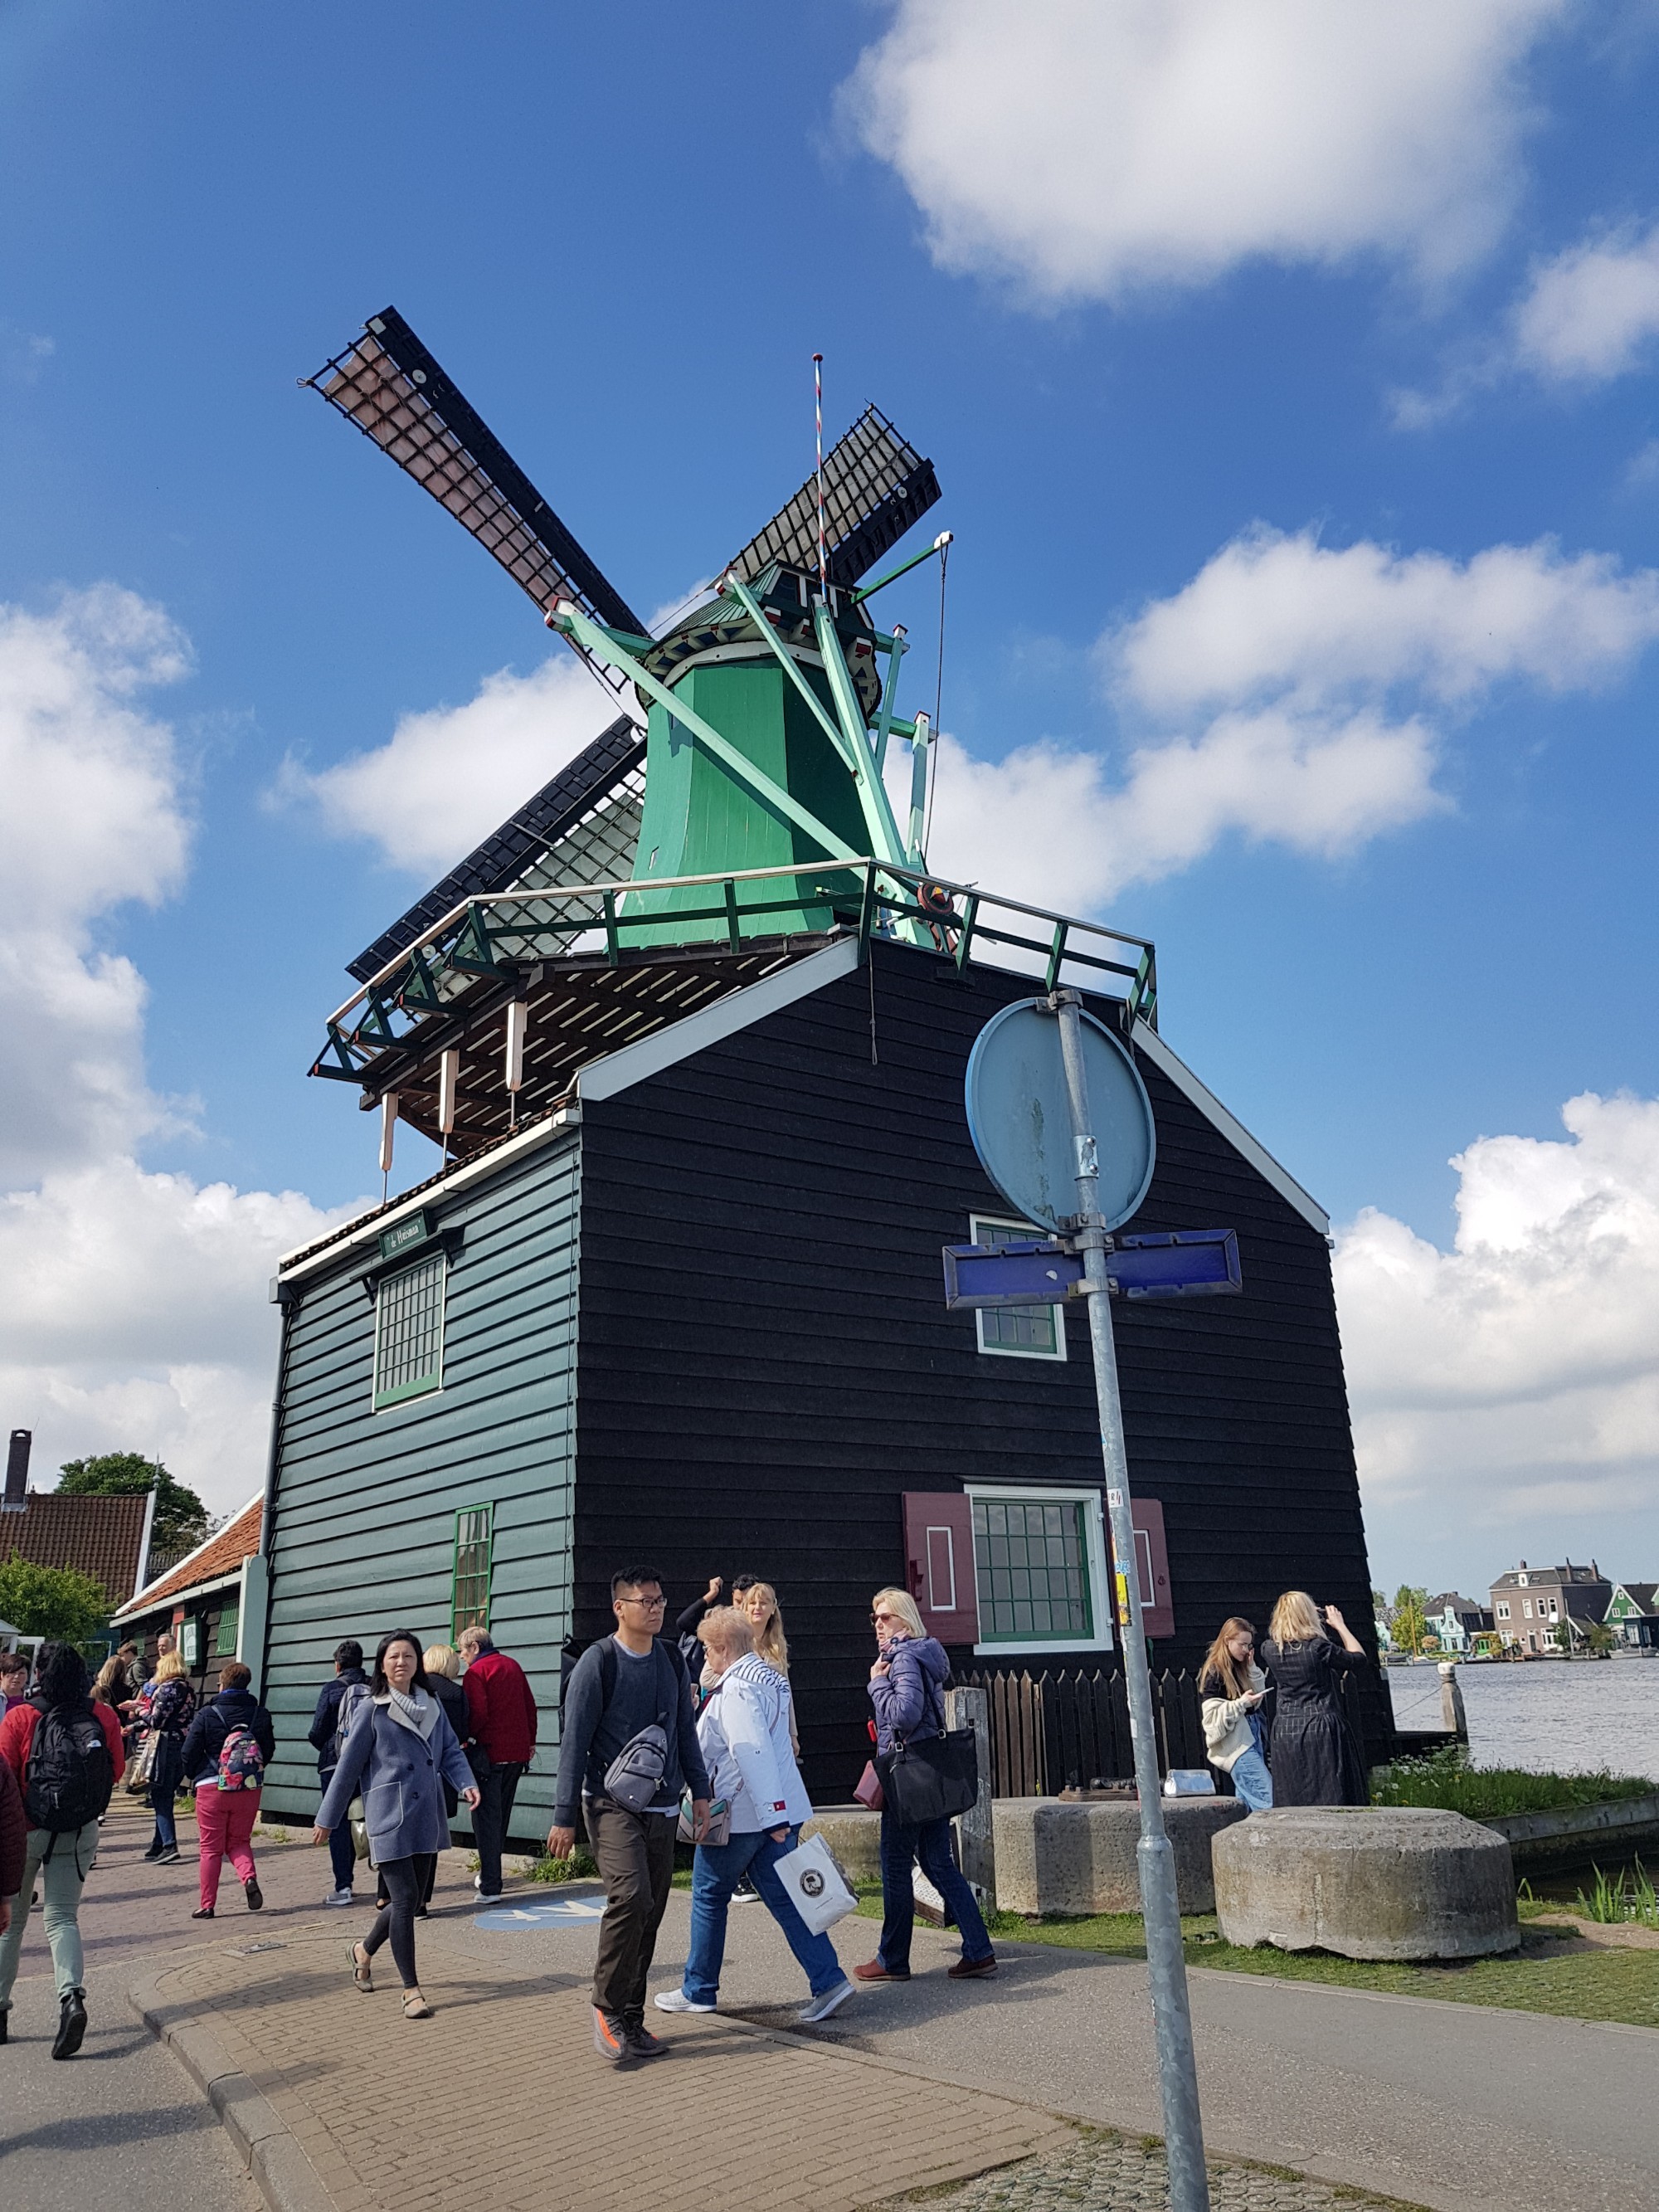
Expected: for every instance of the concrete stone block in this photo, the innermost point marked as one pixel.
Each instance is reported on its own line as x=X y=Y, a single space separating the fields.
x=853 y=1835
x=1061 y=1856
x=1368 y=1882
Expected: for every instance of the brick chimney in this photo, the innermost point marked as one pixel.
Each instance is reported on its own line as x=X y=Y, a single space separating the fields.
x=17 y=1471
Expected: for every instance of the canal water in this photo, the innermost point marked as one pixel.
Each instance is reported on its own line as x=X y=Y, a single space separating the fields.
x=1562 y=1715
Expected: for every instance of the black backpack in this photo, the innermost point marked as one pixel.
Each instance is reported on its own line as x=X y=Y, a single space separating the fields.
x=71 y=1776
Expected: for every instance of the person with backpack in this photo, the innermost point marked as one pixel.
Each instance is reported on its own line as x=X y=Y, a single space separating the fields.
x=65 y=1753
x=628 y=1749
x=336 y=1705
x=226 y=1753
x=400 y=1750
x=503 y=1709
x=170 y=1709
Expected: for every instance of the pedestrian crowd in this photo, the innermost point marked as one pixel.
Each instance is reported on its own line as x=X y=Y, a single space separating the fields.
x=688 y=1738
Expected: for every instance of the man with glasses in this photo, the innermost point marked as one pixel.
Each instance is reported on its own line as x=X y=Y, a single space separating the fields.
x=621 y=1686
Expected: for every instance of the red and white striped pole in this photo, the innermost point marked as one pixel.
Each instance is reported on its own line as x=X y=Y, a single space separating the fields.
x=817 y=405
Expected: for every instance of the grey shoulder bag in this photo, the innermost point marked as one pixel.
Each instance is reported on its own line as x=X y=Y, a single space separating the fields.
x=634 y=1777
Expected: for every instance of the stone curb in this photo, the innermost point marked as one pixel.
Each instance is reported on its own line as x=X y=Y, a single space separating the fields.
x=284 y=2176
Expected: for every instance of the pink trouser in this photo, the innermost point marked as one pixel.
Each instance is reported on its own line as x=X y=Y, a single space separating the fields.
x=224 y=1823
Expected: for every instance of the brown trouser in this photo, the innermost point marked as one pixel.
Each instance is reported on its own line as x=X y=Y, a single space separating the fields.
x=635 y=1856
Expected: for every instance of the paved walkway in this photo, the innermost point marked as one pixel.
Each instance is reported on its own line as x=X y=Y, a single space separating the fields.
x=1455 y=2108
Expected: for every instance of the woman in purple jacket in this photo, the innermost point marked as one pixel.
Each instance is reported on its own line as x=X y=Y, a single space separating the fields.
x=906 y=1688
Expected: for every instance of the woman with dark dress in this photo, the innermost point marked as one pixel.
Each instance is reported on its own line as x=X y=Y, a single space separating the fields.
x=443 y=1663
x=1315 y=1759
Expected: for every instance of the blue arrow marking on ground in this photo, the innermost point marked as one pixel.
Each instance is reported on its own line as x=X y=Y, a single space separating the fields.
x=556 y=1912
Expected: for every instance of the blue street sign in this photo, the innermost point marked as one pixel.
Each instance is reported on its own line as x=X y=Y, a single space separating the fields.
x=1180 y=1263
x=1021 y=1124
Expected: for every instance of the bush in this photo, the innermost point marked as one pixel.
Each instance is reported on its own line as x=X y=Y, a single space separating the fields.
x=580 y=1866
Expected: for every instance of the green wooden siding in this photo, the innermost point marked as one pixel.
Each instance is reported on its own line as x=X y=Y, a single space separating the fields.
x=364 y=1536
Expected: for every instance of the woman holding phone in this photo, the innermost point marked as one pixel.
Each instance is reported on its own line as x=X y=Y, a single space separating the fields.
x=1315 y=1759
x=1231 y=1687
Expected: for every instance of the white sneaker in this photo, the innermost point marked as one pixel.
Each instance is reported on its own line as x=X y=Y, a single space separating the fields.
x=337 y=1897
x=677 y=2001
x=821 y=2008
x=489 y=1897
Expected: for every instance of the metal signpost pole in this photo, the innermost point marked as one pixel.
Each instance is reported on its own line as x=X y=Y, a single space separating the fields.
x=1189 y=2190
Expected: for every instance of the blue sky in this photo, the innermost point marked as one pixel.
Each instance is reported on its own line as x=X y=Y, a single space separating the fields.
x=1388 y=295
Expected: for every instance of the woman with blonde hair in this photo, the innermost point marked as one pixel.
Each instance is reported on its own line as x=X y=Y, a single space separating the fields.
x=1315 y=1759
x=906 y=1688
x=169 y=1711
x=443 y=1663
x=1230 y=1688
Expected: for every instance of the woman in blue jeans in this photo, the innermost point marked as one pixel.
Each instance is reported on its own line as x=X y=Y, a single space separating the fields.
x=906 y=1688
x=1231 y=1687
x=744 y=1730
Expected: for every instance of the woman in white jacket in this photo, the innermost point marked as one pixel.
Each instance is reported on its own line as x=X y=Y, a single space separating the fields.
x=744 y=1730
x=1230 y=1686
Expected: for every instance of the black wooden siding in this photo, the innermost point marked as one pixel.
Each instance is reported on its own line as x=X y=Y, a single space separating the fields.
x=766 y=1363
x=363 y=1529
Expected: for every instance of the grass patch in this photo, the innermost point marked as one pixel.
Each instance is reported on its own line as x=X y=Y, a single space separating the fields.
x=1446 y=1781
x=1595 y=1985
x=580 y=1866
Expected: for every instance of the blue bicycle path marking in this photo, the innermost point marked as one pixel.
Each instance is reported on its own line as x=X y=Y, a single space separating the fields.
x=556 y=1912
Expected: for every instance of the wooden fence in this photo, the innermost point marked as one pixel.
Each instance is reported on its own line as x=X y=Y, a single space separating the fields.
x=1068 y=1731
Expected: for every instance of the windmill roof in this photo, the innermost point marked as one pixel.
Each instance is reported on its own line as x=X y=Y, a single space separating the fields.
x=103 y=1537
x=222 y=1554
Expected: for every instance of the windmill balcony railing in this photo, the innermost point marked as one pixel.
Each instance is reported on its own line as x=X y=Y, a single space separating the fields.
x=495 y=934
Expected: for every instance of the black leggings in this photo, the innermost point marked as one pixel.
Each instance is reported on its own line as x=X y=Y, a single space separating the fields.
x=405 y=1883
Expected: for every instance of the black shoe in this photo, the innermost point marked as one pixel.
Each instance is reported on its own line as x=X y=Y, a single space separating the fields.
x=203 y=1912
x=5 y=2021
x=641 y=2042
x=156 y=1850
x=172 y=1856
x=610 y=2039
x=256 y=1896
x=71 y=2025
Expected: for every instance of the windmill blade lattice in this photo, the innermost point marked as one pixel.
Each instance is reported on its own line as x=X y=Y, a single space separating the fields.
x=392 y=387
x=875 y=486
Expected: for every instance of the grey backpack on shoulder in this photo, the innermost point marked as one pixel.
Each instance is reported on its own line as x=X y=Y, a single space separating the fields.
x=634 y=1777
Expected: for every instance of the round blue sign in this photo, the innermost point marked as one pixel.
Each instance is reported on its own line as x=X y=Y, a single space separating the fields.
x=1021 y=1123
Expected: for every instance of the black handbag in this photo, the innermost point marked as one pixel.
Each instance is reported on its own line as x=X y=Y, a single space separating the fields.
x=933 y=1780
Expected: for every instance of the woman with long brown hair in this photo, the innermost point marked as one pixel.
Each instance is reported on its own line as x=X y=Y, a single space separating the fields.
x=1316 y=1760
x=1231 y=1687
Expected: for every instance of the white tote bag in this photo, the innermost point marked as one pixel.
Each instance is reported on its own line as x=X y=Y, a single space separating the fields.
x=816 y=1887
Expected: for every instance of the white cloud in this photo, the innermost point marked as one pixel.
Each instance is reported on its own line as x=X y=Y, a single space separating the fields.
x=1587 y=315
x=132 y=1304
x=448 y=775
x=1515 y=1377
x=1084 y=146
x=1292 y=693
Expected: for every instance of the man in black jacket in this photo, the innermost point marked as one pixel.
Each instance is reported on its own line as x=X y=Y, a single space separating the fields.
x=625 y=1683
x=324 y=1734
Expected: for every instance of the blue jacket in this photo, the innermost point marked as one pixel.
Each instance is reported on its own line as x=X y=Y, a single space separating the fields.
x=399 y=1774
x=909 y=1698
x=230 y=1709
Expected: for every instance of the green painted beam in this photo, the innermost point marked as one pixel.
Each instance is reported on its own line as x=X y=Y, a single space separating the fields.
x=885 y=724
x=886 y=843
x=599 y=642
x=756 y=614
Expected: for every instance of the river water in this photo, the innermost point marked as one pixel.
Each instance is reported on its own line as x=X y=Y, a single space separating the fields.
x=1562 y=1715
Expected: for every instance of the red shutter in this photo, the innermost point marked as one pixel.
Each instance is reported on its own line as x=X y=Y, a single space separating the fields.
x=1156 y=1606
x=939 y=1563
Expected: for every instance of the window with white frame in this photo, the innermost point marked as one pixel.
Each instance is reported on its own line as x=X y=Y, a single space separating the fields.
x=1039 y=1567
x=1016 y=1332
x=409 y=1333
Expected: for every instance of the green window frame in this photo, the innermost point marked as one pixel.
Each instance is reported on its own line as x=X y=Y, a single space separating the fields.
x=1039 y=1564
x=230 y=1620
x=1016 y=1331
x=409 y=1333
x=469 y=1596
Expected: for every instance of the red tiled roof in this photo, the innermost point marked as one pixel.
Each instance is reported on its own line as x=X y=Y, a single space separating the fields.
x=222 y=1554
x=98 y=1536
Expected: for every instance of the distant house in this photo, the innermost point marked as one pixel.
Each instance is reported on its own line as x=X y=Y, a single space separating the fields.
x=1457 y=1620
x=1529 y=1604
x=107 y=1537
x=1633 y=1615
x=200 y=1602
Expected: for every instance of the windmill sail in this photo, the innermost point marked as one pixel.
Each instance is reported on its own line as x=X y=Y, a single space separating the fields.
x=875 y=486
x=389 y=385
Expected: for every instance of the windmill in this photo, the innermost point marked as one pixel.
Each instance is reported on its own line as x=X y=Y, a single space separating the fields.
x=767 y=710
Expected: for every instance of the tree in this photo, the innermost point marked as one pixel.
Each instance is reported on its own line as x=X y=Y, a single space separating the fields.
x=1408 y=1619
x=53 y=1602
x=181 y=1519
x=1599 y=1637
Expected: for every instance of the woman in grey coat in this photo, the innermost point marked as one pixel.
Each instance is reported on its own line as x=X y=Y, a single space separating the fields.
x=399 y=1753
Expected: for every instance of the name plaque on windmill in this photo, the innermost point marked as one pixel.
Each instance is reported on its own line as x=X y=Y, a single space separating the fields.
x=1040 y=1271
